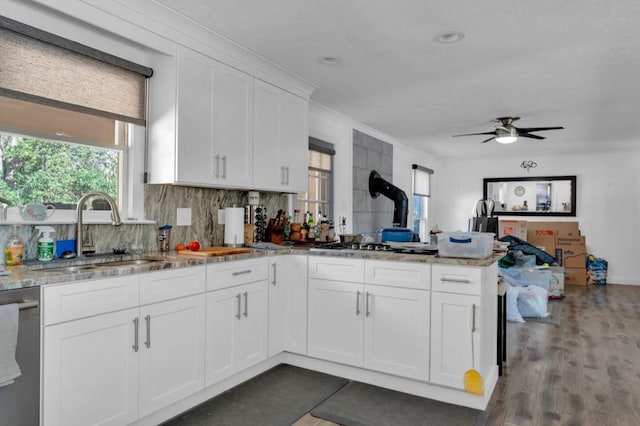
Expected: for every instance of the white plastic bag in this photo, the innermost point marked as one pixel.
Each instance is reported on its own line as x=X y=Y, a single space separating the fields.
x=513 y=314
x=532 y=302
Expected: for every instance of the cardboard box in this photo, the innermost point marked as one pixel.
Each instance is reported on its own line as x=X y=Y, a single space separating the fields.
x=575 y=276
x=571 y=252
x=544 y=239
x=517 y=228
x=560 y=228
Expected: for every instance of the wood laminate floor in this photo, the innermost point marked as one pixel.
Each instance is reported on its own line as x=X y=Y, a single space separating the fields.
x=583 y=371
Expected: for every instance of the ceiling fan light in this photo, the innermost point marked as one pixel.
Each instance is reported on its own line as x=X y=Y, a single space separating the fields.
x=507 y=134
x=506 y=139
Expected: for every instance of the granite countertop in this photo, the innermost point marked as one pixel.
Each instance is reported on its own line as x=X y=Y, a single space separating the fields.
x=34 y=274
x=408 y=257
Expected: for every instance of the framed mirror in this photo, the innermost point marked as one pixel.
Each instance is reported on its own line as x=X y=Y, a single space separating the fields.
x=532 y=196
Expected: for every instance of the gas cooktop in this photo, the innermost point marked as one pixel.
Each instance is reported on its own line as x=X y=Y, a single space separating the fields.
x=402 y=248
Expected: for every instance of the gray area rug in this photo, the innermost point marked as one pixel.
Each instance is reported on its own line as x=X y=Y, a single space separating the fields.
x=279 y=396
x=359 y=404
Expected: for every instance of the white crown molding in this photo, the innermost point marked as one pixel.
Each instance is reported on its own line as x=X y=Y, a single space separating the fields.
x=154 y=26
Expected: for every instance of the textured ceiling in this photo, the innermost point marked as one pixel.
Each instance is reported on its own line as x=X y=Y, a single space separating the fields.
x=572 y=64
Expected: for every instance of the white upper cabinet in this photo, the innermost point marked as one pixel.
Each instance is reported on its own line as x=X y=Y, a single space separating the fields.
x=214 y=122
x=215 y=126
x=280 y=139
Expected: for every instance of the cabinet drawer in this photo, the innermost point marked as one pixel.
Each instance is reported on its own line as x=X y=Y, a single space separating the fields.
x=67 y=302
x=456 y=279
x=171 y=284
x=400 y=274
x=229 y=274
x=336 y=268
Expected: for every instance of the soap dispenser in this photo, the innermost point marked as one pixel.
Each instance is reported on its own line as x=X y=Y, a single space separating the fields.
x=45 y=243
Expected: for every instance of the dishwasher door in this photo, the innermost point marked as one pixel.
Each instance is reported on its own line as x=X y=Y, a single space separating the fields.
x=20 y=401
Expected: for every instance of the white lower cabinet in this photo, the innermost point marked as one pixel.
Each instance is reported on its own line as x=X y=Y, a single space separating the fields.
x=115 y=367
x=378 y=327
x=463 y=307
x=451 y=335
x=90 y=371
x=336 y=321
x=288 y=304
x=236 y=329
x=396 y=331
x=172 y=354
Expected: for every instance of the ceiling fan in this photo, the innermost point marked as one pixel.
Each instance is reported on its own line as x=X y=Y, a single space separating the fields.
x=508 y=133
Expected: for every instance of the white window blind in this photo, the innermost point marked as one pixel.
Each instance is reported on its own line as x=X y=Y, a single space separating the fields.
x=46 y=69
x=421 y=181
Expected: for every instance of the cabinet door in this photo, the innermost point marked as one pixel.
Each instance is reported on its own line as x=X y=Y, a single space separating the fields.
x=171 y=351
x=237 y=328
x=451 y=325
x=396 y=331
x=224 y=309
x=288 y=304
x=90 y=371
x=214 y=122
x=252 y=329
x=280 y=139
x=336 y=313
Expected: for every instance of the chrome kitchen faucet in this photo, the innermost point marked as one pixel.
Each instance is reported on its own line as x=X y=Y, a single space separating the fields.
x=115 y=216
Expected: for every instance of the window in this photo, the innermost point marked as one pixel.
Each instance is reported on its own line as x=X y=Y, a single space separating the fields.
x=318 y=200
x=420 y=201
x=68 y=116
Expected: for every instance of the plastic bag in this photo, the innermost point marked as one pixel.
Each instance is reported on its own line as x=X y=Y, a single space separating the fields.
x=513 y=314
x=525 y=277
x=532 y=302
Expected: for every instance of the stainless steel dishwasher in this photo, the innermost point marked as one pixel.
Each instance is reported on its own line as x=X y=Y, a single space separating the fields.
x=20 y=401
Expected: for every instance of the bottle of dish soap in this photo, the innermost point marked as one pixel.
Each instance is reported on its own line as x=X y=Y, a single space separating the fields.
x=46 y=251
x=14 y=251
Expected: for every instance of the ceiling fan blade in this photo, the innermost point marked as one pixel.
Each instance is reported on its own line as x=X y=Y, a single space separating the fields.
x=537 y=129
x=487 y=140
x=529 y=135
x=473 y=134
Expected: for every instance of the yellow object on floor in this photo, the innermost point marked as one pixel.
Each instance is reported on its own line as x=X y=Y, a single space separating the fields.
x=472 y=378
x=473 y=382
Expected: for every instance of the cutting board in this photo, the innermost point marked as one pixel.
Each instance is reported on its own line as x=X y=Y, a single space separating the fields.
x=215 y=251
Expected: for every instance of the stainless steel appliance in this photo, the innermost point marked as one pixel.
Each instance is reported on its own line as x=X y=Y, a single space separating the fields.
x=20 y=401
x=407 y=248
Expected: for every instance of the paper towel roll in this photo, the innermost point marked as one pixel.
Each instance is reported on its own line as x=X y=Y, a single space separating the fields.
x=234 y=226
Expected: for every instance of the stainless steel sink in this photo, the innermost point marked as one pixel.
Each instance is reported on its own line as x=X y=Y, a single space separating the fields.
x=70 y=269
x=131 y=262
x=97 y=266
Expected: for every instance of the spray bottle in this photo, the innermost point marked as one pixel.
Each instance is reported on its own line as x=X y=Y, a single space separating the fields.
x=45 y=243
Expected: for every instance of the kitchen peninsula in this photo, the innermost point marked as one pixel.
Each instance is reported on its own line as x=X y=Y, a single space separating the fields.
x=165 y=335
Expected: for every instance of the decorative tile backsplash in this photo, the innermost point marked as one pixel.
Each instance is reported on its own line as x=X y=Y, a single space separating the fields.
x=161 y=204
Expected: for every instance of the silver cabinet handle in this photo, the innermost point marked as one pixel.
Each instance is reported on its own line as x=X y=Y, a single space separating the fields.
x=357 y=302
x=238 y=315
x=473 y=318
x=455 y=280
x=366 y=305
x=217 y=175
x=281 y=175
x=148 y=320
x=246 y=271
x=224 y=167
x=287 y=169
x=246 y=304
x=274 y=274
x=135 y=334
